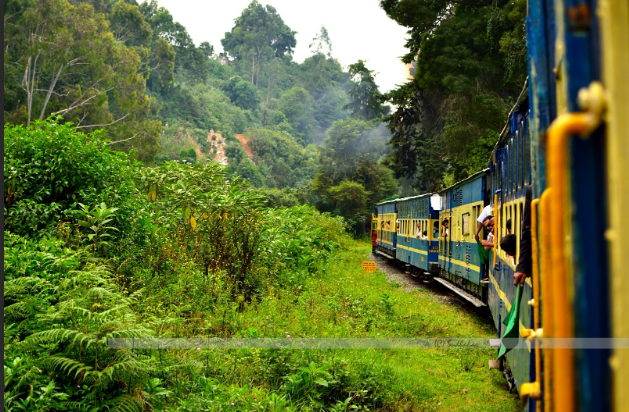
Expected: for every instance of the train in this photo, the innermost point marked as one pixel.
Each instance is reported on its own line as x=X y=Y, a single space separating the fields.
x=567 y=141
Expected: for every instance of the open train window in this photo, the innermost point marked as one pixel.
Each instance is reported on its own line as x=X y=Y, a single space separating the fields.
x=519 y=228
x=521 y=160
x=527 y=153
x=511 y=158
x=500 y=172
x=519 y=152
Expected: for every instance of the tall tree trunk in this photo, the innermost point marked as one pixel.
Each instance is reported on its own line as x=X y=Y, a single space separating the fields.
x=268 y=90
x=53 y=83
x=29 y=84
x=253 y=65
x=258 y=72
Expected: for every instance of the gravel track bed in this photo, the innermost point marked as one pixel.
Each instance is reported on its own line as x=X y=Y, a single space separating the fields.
x=434 y=290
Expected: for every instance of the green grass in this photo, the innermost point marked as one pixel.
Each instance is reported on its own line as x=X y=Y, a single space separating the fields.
x=343 y=301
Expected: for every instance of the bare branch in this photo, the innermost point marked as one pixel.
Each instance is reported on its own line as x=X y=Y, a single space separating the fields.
x=82 y=118
x=107 y=124
x=55 y=93
x=124 y=140
x=77 y=103
x=53 y=83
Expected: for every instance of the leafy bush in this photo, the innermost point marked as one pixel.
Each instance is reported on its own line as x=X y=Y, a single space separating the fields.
x=50 y=168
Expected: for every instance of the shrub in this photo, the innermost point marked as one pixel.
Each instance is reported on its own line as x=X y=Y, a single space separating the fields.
x=49 y=168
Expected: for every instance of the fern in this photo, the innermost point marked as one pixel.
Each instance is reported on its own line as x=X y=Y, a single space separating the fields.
x=67 y=365
x=125 y=403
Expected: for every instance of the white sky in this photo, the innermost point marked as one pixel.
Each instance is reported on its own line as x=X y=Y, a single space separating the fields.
x=359 y=29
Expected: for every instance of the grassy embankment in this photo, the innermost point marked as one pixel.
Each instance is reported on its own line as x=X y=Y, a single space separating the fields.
x=344 y=301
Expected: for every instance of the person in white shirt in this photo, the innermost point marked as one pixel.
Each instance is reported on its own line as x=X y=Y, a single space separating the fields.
x=489 y=225
x=481 y=218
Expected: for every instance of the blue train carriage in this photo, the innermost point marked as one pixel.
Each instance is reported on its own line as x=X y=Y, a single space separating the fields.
x=510 y=173
x=459 y=259
x=385 y=219
x=417 y=216
x=578 y=69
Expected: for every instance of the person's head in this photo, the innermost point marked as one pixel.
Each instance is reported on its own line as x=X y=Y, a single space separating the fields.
x=508 y=244
x=425 y=233
x=436 y=225
x=446 y=223
x=489 y=223
x=418 y=225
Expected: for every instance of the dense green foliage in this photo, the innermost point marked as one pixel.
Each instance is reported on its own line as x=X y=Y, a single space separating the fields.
x=470 y=61
x=49 y=170
x=67 y=59
x=100 y=239
x=350 y=179
x=188 y=252
x=132 y=71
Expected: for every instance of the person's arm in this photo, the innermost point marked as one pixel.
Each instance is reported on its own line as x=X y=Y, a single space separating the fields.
x=487 y=244
x=525 y=263
x=479 y=228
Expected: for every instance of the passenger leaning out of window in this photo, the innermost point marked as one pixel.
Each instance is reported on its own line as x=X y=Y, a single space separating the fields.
x=489 y=225
x=481 y=218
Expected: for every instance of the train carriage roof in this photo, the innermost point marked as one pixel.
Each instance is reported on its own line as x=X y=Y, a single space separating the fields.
x=466 y=180
x=402 y=199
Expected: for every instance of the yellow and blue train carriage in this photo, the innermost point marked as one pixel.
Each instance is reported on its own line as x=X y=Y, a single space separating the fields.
x=384 y=221
x=459 y=258
x=417 y=239
x=510 y=175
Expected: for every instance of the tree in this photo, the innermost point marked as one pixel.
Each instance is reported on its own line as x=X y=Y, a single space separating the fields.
x=296 y=105
x=128 y=25
x=471 y=65
x=189 y=60
x=243 y=94
x=258 y=35
x=62 y=59
x=350 y=201
x=321 y=43
x=349 y=161
x=365 y=98
x=50 y=168
x=281 y=160
x=418 y=151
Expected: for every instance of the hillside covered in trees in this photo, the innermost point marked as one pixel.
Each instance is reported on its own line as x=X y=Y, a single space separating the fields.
x=130 y=70
x=314 y=128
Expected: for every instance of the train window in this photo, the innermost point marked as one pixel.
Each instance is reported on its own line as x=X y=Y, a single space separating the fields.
x=505 y=176
x=521 y=158
x=514 y=165
x=505 y=172
x=511 y=158
x=519 y=228
x=527 y=154
x=518 y=164
x=500 y=171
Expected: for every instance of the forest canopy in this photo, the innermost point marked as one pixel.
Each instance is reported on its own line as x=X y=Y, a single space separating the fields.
x=470 y=66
